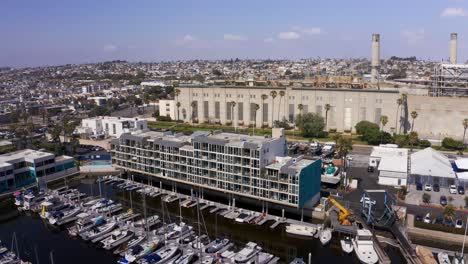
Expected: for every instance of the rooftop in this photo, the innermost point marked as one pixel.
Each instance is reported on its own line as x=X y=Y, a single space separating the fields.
x=26 y=153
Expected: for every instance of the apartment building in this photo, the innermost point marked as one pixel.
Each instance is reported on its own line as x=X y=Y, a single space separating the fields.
x=25 y=167
x=249 y=166
x=109 y=126
x=168 y=108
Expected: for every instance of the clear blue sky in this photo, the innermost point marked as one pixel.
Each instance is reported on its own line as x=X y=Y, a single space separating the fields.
x=46 y=32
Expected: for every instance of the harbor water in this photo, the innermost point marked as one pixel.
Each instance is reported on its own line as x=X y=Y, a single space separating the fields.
x=39 y=242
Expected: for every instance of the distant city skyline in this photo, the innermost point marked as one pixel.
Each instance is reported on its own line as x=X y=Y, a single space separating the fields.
x=37 y=33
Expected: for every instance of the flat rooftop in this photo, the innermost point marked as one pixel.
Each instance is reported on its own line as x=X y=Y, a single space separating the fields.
x=26 y=153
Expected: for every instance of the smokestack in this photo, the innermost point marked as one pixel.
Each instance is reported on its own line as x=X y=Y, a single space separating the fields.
x=453 y=48
x=375 y=60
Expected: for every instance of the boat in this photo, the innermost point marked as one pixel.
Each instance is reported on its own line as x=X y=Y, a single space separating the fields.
x=92 y=202
x=98 y=231
x=102 y=204
x=425 y=255
x=178 y=231
x=297 y=261
x=257 y=219
x=3 y=249
x=443 y=258
x=164 y=255
x=263 y=258
x=9 y=258
x=301 y=230
x=125 y=246
x=84 y=223
x=347 y=245
x=189 y=257
x=116 y=238
x=217 y=245
x=165 y=229
x=457 y=259
x=65 y=217
x=201 y=242
x=207 y=260
x=325 y=236
x=124 y=217
x=149 y=221
x=30 y=200
x=241 y=217
x=138 y=251
x=110 y=209
x=247 y=253
x=364 y=247
x=188 y=239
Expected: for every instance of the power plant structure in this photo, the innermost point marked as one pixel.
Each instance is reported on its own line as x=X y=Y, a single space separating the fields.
x=453 y=48
x=375 y=59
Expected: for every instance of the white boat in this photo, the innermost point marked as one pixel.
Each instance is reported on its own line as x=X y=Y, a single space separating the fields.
x=110 y=209
x=247 y=253
x=116 y=238
x=64 y=217
x=443 y=258
x=162 y=256
x=139 y=251
x=149 y=221
x=101 y=204
x=207 y=260
x=263 y=258
x=325 y=236
x=458 y=259
x=30 y=200
x=84 y=223
x=98 y=231
x=364 y=247
x=125 y=246
x=217 y=245
x=179 y=231
x=3 y=249
x=124 y=217
x=347 y=245
x=93 y=202
x=301 y=230
x=189 y=257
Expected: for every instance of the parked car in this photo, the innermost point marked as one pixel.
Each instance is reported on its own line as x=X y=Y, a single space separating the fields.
x=453 y=189
x=427 y=218
x=436 y=187
x=461 y=190
x=428 y=187
x=458 y=223
x=419 y=218
x=419 y=186
x=443 y=200
x=439 y=220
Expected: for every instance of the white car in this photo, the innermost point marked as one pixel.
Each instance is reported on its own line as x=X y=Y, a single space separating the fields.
x=458 y=223
x=368 y=201
x=427 y=218
x=453 y=189
x=428 y=187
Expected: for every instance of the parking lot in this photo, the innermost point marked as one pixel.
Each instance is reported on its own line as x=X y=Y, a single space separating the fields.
x=415 y=197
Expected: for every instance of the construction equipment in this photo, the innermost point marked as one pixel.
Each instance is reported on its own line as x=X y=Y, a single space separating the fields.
x=344 y=215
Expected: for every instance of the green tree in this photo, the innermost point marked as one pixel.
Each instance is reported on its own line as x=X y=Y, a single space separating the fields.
x=327 y=108
x=364 y=127
x=413 y=139
x=300 y=107
x=449 y=212
x=256 y=107
x=178 y=107
x=414 y=115
x=344 y=146
x=399 y=103
x=281 y=94
x=452 y=144
x=310 y=124
x=55 y=133
x=465 y=127
x=233 y=107
x=426 y=198
x=383 y=121
x=273 y=95
x=193 y=105
x=264 y=97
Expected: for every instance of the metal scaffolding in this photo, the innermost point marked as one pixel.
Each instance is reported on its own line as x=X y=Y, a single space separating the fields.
x=450 y=80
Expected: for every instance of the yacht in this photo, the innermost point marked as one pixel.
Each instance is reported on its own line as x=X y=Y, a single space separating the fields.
x=140 y=251
x=110 y=209
x=178 y=231
x=149 y=221
x=189 y=257
x=301 y=230
x=217 y=245
x=247 y=253
x=98 y=231
x=64 y=217
x=116 y=238
x=325 y=236
x=125 y=246
x=347 y=245
x=364 y=247
x=169 y=253
x=93 y=202
x=84 y=223
x=30 y=200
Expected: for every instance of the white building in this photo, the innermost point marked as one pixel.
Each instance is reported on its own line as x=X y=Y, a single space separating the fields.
x=99 y=100
x=431 y=166
x=391 y=163
x=168 y=108
x=107 y=126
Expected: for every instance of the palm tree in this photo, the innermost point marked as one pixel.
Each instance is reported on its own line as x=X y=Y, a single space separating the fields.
x=449 y=212
x=399 y=103
x=256 y=107
x=465 y=126
x=264 y=97
x=414 y=115
x=281 y=94
x=404 y=98
x=300 y=107
x=177 y=92
x=178 y=106
x=273 y=95
x=383 y=121
x=193 y=105
x=233 y=105
x=327 y=108
x=413 y=139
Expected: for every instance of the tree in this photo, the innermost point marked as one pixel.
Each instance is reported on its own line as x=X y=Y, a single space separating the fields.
x=336 y=137
x=449 y=212
x=399 y=103
x=193 y=105
x=413 y=139
x=465 y=127
x=300 y=107
x=310 y=124
x=273 y=95
x=281 y=94
x=364 y=127
x=256 y=107
x=344 y=146
x=425 y=143
x=177 y=93
x=404 y=98
x=25 y=117
x=264 y=97
x=383 y=121
x=414 y=115
x=55 y=133
x=452 y=144
x=178 y=107
x=233 y=106
x=426 y=198
x=327 y=108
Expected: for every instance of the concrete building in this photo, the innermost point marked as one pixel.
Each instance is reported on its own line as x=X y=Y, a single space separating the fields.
x=391 y=163
x=25 y=167
x=430 y=166
x=246 y=166
x=168 y=108
x=108 y=126
x=213 y=104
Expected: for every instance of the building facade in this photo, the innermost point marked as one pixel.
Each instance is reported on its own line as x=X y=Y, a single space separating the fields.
x=346 y=107
x=168 y=108
x=108 y=126
x=250 y=166
x=25 y=167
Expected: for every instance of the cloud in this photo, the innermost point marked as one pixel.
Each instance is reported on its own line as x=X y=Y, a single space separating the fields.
x=232 y=37
x=110 y=48
x=289 y=35
x=268 y=40
x=414 y=37
x=185 y=40
x=453 y=12
x=308 y=31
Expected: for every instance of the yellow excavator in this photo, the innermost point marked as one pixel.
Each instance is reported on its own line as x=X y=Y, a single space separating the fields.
x=344 y=215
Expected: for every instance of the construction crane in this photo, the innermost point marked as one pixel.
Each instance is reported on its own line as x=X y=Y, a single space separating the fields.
x=344 y=214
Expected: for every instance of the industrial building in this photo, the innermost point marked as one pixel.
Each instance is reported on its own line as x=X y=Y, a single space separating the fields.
x=247 y=166
x=429 y=166
x=109 y=126
x=25 y=167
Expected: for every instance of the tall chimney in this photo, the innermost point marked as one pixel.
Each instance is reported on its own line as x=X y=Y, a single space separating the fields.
x=375 y=60
x=453 y=48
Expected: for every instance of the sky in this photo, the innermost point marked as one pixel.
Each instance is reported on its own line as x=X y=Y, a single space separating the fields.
x=48 y=32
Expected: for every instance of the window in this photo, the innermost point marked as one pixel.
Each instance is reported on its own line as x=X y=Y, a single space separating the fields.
x=228 y=111
x=114 y=129
x=265 y=113
x=378 y=114
x=217 y=116
x=252 y=111
x=240 y=111
x=205 y=109
x=291 y=113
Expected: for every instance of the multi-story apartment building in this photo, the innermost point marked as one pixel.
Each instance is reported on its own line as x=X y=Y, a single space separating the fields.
x=21 y=168
x=248 y=166
x=109 y=126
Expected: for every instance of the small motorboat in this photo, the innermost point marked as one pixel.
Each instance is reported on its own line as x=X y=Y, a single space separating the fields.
x=164 y=255
x=217 y=246
x=264 y=258
x=98 y=231
x=189 y=257
x=247 y=253
x=150 y=221
x=347 y=245
x=84 y=223
x=325 y=236
x=125 y=246
x=301 y=230
x=64 y=217
x=178 y=231
x=139 y=251
x=116 y=238
x=443 y=258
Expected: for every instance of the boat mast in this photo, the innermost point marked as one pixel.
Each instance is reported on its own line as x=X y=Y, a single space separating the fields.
x=198 y=221
x=464 y=237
